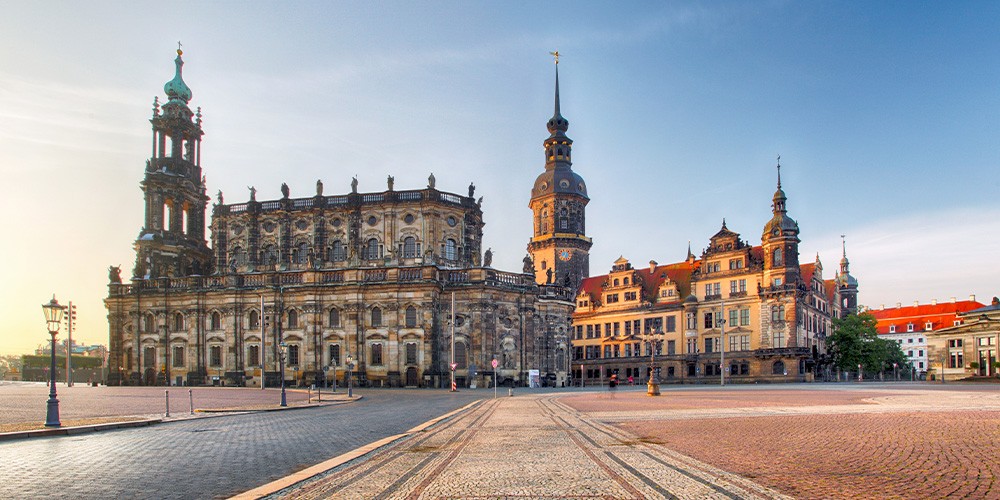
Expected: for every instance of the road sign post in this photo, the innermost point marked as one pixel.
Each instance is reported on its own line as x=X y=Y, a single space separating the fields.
x=494 y=363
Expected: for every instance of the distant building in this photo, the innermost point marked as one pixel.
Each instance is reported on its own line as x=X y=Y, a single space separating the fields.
x=909 y=326
x=776 y=312
x=320 y=279
x=969 y=347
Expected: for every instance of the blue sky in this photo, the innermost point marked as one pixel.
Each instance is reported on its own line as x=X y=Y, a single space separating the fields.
x=884 y=114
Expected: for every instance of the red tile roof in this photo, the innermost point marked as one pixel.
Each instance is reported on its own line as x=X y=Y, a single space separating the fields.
x=939 y=315
x=679 y=273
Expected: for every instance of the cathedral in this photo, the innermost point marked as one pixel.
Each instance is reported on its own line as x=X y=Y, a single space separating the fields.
x=390 y=287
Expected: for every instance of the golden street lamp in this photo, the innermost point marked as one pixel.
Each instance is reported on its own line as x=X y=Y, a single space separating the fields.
x=653 y=385
x=53 y=317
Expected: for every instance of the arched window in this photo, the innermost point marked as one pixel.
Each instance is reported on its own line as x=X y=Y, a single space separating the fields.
x=293 y=318
x=376 y=354
x=300 y=253
x=216 y=321
x=371 y=249
x=269 y=255
x=254 y=320
x=563 y=219
x=337 y=252
x=616 y=282
x=544 y=223
x=778 y=257
x=411 y=317
x=409 y=247
x=147 y=323
x=334 y=317
x=461 y=359
x=625 y=281
x=778 y=368
x=239 y=255
x=178 y=322
x=450 y=248
x=376 y=317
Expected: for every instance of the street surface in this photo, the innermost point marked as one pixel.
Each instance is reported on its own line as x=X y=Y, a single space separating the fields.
x=805 y=441
x=210 y=457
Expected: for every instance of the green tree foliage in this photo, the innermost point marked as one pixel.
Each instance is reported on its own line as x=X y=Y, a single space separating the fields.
x=855 y=341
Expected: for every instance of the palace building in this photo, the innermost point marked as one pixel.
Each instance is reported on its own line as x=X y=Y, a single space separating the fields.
x=751 y=310
x=313 y=282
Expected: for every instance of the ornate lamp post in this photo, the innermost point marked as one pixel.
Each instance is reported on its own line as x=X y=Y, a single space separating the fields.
x=653 y=385
x=350 y=383
x=53 y=316
x=281 y=357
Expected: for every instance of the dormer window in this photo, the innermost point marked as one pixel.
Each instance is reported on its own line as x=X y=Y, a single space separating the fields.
x=909 y=327
x=892 y=328
x=928 y=326
x=625 y=281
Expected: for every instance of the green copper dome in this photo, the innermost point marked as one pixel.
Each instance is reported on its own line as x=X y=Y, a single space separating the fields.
x=176 y=88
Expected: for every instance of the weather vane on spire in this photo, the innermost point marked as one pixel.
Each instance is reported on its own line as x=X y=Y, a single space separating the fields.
x=779 y=171
x=555 y=55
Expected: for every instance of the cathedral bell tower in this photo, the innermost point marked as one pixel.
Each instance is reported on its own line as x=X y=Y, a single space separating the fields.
x=172 y=241
x=559 y=248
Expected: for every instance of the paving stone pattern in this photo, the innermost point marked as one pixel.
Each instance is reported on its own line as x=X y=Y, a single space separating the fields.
x=210 y=457
x=530 y=446
x=924 y=443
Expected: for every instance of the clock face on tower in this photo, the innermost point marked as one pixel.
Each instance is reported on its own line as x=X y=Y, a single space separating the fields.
x=565 y=255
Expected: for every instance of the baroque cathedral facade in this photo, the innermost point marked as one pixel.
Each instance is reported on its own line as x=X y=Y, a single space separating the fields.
x=390 y=287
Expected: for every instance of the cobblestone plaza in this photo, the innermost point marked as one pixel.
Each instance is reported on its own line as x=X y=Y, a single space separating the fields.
x=774 y=441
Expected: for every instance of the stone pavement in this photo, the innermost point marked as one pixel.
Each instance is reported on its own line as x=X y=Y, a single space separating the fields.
x=211 y=457
x=528 y=446
x=795 y=441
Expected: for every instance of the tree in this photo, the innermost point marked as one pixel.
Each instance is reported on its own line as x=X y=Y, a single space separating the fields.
x=855 y=342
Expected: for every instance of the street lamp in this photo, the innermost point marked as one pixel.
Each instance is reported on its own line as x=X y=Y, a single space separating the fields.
x=652 y=385
x=281 y=357
x=53 y=316
x=350 y=383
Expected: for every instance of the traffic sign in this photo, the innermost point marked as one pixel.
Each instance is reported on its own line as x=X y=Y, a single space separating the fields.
x=495 y=363
x=453 y=366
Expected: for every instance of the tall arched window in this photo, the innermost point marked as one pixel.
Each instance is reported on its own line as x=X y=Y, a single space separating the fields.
x=334 y=319
x=411 y=317
x=337 y=252
x=376 y=317
x=216 y=321
x=254 y=320
x=178 y=322
x=778 y=257
x=300 y=253
x=269 y=255
x=371 y=249
x=148 y=322
x=461 y=359
x=240 y=255
x=293 y=318
x=409 y=247
x=450 y=249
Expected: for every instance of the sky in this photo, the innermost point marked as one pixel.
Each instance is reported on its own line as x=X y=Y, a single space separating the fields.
x=885 y=115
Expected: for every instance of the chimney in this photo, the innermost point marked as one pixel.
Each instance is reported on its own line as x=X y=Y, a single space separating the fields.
x=953 y=300
x=881 y=307
x=899 y=304
x=916 y=303
x=972 y=298
x=934 y=302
